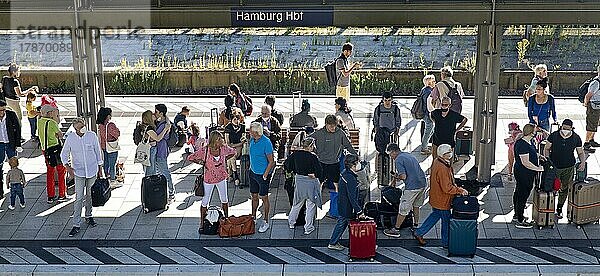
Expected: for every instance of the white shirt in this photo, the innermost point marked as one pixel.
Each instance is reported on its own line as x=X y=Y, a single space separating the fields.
x=85 y=154
x=3 y=130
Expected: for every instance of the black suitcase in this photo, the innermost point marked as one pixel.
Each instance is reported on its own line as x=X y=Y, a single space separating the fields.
x=385 y=215
x=214 y=116
x=244 y=171
x=391 y=195
x=473 y=186
x=100 y=192
x=465 y=207
x=382 y=162
x=154 y=193
x=464 y=142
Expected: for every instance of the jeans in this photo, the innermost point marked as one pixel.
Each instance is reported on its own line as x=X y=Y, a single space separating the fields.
x=338 y=231
x=33 y=126
x=163 y=168
x=432 y=219
x=110 y=163
x=524 y=178
x=16 y=189
x=6 y=151
x=545 y=124
x=82 y=185
x=151 y=170
x=428 y=131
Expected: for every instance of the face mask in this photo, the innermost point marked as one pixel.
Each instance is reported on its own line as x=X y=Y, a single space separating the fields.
x=450 y=155
x=444 y=109
x=357 y=167
x=83 y=129
x=565 y=132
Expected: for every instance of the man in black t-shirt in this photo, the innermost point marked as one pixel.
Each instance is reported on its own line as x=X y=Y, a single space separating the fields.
x=445 y=125
x=560 y=147
x=234 y=137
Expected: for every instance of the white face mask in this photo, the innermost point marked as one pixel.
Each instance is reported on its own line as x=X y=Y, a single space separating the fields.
x=565 y=132
x=449 y=154
x=83 y=129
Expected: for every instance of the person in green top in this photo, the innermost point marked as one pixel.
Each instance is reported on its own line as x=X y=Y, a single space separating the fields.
x=49 y=134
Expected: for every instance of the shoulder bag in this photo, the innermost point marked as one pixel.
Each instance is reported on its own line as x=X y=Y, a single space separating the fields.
x=142 y=152
x=52 y=154
x=111 y=146
x=199 y=183
x=236 y=226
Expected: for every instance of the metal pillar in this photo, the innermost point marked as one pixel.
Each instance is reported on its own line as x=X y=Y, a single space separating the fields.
x=87 y=66
x=486 y=99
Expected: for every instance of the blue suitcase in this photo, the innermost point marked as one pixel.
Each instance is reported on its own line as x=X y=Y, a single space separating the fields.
x=462 y=239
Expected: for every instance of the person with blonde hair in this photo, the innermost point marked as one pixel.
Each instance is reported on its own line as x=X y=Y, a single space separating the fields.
x=214 y=157
x=427 y=123
x=527 y=165
x=541 y=72
x=448 y=87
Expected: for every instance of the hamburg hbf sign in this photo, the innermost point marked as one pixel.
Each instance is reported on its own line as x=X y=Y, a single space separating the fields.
x=284 y=17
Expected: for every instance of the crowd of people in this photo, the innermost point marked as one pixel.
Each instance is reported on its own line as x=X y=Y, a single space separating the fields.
x=318 y=156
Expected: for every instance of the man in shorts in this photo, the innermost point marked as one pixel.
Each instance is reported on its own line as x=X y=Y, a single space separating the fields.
x=261 y=165
x=409 y=173
x=592 y=114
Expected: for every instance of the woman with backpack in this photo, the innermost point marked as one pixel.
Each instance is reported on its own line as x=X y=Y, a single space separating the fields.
x=241 y=101
x=541 y=106
x=214 y=157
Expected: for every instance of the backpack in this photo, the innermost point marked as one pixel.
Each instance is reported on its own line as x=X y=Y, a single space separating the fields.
x=173 y=139
x=583 y=89
x=138 y=133
x=417 y=108
x=248 y=100
x=332 y=72
x=453 y=94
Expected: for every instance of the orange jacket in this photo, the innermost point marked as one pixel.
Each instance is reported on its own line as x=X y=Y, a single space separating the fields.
x=442 y=189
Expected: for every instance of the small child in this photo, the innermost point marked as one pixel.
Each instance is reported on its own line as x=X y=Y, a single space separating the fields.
x=514 y=132
x=32 y=114
x=195 y=141
x=15 y=181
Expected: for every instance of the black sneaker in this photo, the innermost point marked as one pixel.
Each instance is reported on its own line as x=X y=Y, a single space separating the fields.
x=594 y=144
x=91 y=222
x=51 y=200
x=62 y=199
x=74 y=231
x=588 y=147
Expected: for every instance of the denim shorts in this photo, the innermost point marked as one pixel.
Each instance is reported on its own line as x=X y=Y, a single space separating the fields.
x=258 y=185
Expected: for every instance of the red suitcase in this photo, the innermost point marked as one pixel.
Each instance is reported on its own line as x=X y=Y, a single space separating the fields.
x=363 y=239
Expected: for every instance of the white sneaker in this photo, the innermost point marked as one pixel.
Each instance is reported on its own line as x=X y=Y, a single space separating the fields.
x=292 y=226
x=11 y=207
x=264 y=228
x=337 y=247
x=115 y=184
x=309 y=231
x=22 y=205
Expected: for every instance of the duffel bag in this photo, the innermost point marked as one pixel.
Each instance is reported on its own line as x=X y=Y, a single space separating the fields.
x=236 y=226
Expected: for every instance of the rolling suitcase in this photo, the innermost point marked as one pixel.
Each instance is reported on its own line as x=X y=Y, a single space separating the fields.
x=363 y=240
x=214 y=115
x=543 y=209
x=154 y=193
x=462 y=238
x=465 y=207
x=385 y=215
x=584 y=202
x=382 y=162
x=244 y=171
x=464 y=142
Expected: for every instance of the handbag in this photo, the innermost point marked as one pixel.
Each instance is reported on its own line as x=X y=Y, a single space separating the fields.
x=142 y=152
x=199 y=183
x=111 y=146
x=236 y=226
x=52 y=154
x=100 y=192
x=211 y=223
